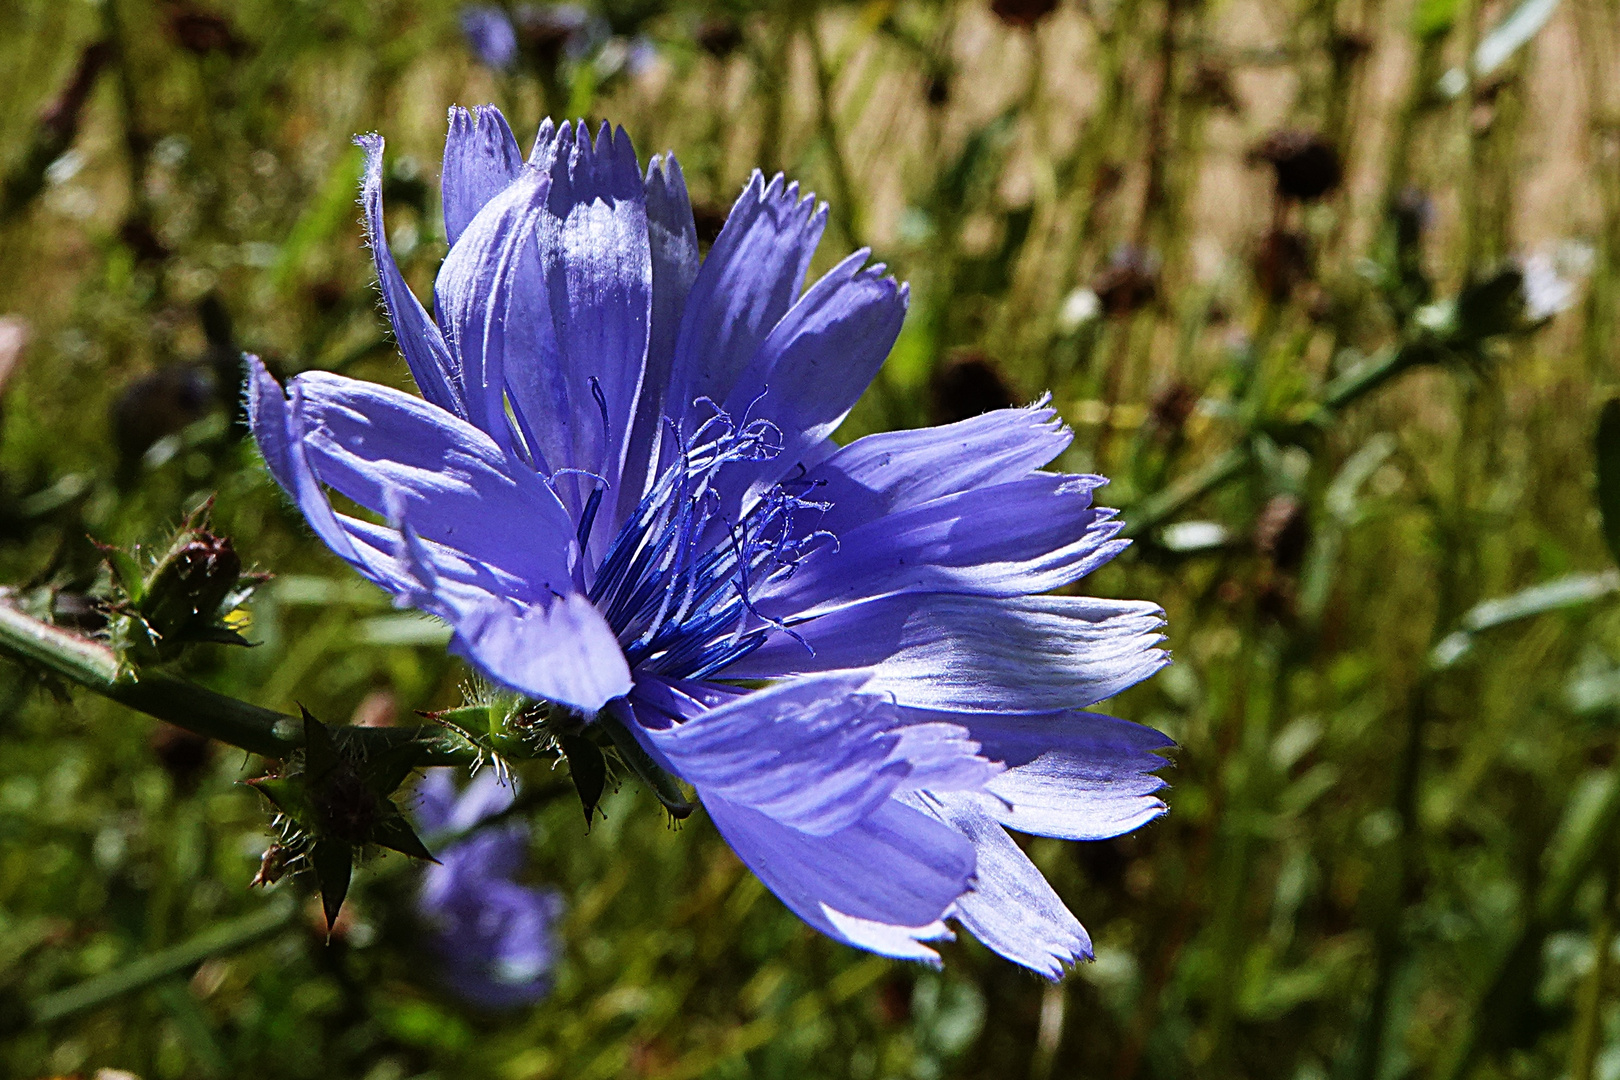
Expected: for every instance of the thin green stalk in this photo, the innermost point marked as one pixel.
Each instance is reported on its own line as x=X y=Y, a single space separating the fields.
x=223 y=938
x=1589 y=1011
x=272 y=734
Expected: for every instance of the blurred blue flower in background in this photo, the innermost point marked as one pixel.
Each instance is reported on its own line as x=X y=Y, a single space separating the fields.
x=622 y=495
x=549 y=34
x=493 y=937
x=490 y=35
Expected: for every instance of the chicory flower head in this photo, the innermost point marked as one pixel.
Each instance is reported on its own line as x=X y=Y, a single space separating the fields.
x=621 y=494
x=493 y=937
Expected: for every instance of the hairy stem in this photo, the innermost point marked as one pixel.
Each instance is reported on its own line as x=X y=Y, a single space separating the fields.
x=272 y=734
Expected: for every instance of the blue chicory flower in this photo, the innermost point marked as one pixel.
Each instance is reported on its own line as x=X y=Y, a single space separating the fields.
x=622 y=495
x=493 y=937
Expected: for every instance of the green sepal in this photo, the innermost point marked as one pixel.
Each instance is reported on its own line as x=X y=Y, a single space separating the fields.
x=320 y=750
x=665 y=788
x=126 y=571
x=588 y=769
x=384 y=772
x=287 y=794
x=467 y=717
x=333 y=863
x=396 y=833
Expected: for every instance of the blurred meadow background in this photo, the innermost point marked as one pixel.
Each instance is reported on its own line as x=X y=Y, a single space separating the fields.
x=1330 y=289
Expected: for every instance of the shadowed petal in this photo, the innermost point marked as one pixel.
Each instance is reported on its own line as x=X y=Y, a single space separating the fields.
x=577 y=397
x=373 y=443
x=816 y=753
x=673 y=238
x=436 y=371
x=814 y=365
x=491 y=297
x=977 y=654
x=481 y=157
x=280 y=440
x=558 y=650
x=897 y=868
x=750 y=279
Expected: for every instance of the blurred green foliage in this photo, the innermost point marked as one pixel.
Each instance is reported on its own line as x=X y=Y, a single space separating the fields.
x=1331 y=290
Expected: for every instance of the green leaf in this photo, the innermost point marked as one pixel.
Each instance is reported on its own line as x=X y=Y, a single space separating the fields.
x=1607 y=447
x=333 y=862
x=1571 y=590
x=476 y=718
x=1433 y=17
x=588 y=769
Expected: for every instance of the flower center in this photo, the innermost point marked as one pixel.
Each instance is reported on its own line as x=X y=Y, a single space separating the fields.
x=675 y=583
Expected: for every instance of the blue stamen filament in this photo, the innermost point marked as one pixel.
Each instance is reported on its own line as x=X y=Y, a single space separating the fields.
x=683 y=608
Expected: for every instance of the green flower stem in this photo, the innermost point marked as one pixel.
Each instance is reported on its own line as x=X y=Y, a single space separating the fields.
x=223 y=938
x=272 y=734
x=1588 y=1039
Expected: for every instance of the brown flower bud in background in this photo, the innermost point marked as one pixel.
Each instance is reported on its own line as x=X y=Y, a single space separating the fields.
x=710 y=219
x=719 y=36
x=203 y=32
x=1128 y=283
x=183 y=754
x=1282 y=532
x=1023 y=14
x=1170 y=407
x=1307 y=165
x=1211 y=85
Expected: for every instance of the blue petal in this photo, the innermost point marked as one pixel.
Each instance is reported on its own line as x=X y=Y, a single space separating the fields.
x=555 y=648
x=1028 y=536
x=815 y=364
x=896 y=470
x=578 y=397
x=280 y=440
x=883 y=884
x=750 y=279
x=816 y=754
x=452 y=483
x=481 y=157
x=976 y=654
x=673 y=238
x=1072 y=775
x=435 y=799
x=432 y=365
x=1010 y=906
x=499 y=946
